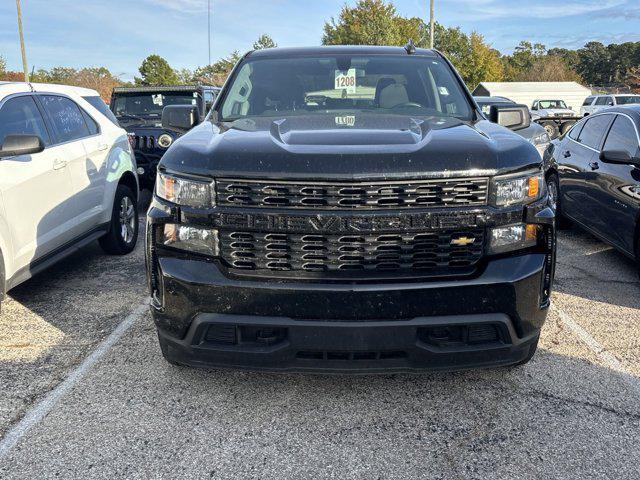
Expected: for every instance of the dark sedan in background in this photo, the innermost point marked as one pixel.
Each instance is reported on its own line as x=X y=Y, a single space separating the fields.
x=595 y=177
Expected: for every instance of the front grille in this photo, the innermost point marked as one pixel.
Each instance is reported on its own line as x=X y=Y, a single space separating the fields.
x=144 y=142
x=458 y=192
x=447 y=252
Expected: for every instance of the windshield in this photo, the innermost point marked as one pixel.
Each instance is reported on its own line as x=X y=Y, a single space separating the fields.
x=552 y=104
x=627 y=100
x=402 y=85
x=150 y=104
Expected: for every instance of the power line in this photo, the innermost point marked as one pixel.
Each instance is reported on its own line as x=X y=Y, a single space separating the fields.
x=24 y=52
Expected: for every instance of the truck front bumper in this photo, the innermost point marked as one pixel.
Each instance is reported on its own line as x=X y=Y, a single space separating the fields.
x=207 y=319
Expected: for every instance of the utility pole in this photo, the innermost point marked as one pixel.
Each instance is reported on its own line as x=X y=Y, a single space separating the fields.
x=209 y=27
x=24 y=53
x=433 y=22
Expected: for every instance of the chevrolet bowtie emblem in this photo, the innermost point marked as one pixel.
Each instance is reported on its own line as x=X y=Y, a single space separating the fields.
x=462 y=241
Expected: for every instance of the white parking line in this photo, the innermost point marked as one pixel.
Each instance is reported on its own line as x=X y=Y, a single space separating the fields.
x=40 y=411
x=607 y=357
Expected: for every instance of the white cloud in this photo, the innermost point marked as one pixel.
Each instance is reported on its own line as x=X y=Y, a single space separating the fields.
x=495 y=9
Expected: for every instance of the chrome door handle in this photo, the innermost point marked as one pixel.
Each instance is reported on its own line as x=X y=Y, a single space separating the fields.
x=59 y=164
x=102 y=147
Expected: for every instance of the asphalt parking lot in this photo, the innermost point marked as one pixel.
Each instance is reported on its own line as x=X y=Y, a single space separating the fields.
x=573 y=412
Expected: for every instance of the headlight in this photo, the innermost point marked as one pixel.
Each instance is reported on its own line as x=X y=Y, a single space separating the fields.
x=190 y=193
x=512 y=237
x=191 y=239
x=165 y=140
x=513 y=190
x=541 y=142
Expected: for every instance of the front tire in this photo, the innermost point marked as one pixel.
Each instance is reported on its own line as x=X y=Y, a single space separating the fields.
x=122 y=236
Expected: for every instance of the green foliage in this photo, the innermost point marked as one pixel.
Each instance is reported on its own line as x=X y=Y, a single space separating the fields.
x=376 y=22
x=155 y=70
x=370 y=22
x=264 y=41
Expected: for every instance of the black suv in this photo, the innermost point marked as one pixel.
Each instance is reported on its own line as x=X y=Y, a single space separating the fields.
x=349 y=209
x=139 y=112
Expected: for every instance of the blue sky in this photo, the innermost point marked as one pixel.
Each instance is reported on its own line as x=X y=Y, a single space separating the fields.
x=120 y=33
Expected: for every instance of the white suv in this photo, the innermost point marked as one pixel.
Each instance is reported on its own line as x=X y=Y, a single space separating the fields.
x=595 y=103
x=67 y=178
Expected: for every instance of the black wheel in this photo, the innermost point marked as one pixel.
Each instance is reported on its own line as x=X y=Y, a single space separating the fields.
x=566 y=127
x=123 y=231
x=552 y=129
x=532 y=351
x=554 y=200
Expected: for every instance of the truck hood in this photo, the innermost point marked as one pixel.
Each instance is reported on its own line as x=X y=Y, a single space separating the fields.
x=349 y=147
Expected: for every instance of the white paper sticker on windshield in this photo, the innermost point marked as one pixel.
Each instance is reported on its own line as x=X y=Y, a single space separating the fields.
x=346 y=121
x=346 y=80
x=157 y=99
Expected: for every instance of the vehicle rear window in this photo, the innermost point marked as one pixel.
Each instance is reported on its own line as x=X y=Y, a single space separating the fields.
x=628 y=100
x=401 y=85
x=20 y=116
x=97 y=103
x=622 y=136
x=594 y=130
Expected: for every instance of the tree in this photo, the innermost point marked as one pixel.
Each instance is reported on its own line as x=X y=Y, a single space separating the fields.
x=594 y=63
x=155 y=70
x=550 y=69
x=521 y=61
x=264 y=41
x=370 y=22
x=3 y=65
x=632 y=79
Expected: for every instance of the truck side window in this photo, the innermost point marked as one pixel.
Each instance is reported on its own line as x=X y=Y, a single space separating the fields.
x=622 y=137
x=20 y=116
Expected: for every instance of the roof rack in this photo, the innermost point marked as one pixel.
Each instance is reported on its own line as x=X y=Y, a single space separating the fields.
x=160 y=88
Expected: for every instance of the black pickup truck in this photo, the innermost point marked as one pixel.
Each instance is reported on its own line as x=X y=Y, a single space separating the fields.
x=349 y=209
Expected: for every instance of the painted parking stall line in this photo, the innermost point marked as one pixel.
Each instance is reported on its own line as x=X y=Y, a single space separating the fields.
x=607 y=357
x=49 y=402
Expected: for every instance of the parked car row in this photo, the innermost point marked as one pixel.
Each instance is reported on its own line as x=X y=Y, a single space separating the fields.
x=595 y=103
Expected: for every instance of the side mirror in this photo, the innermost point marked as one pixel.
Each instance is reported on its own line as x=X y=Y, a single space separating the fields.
x=180 y=118
x=610 y=104
x=15 y=145
x=535 y=107
x=618 y=156
x=514 y=117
